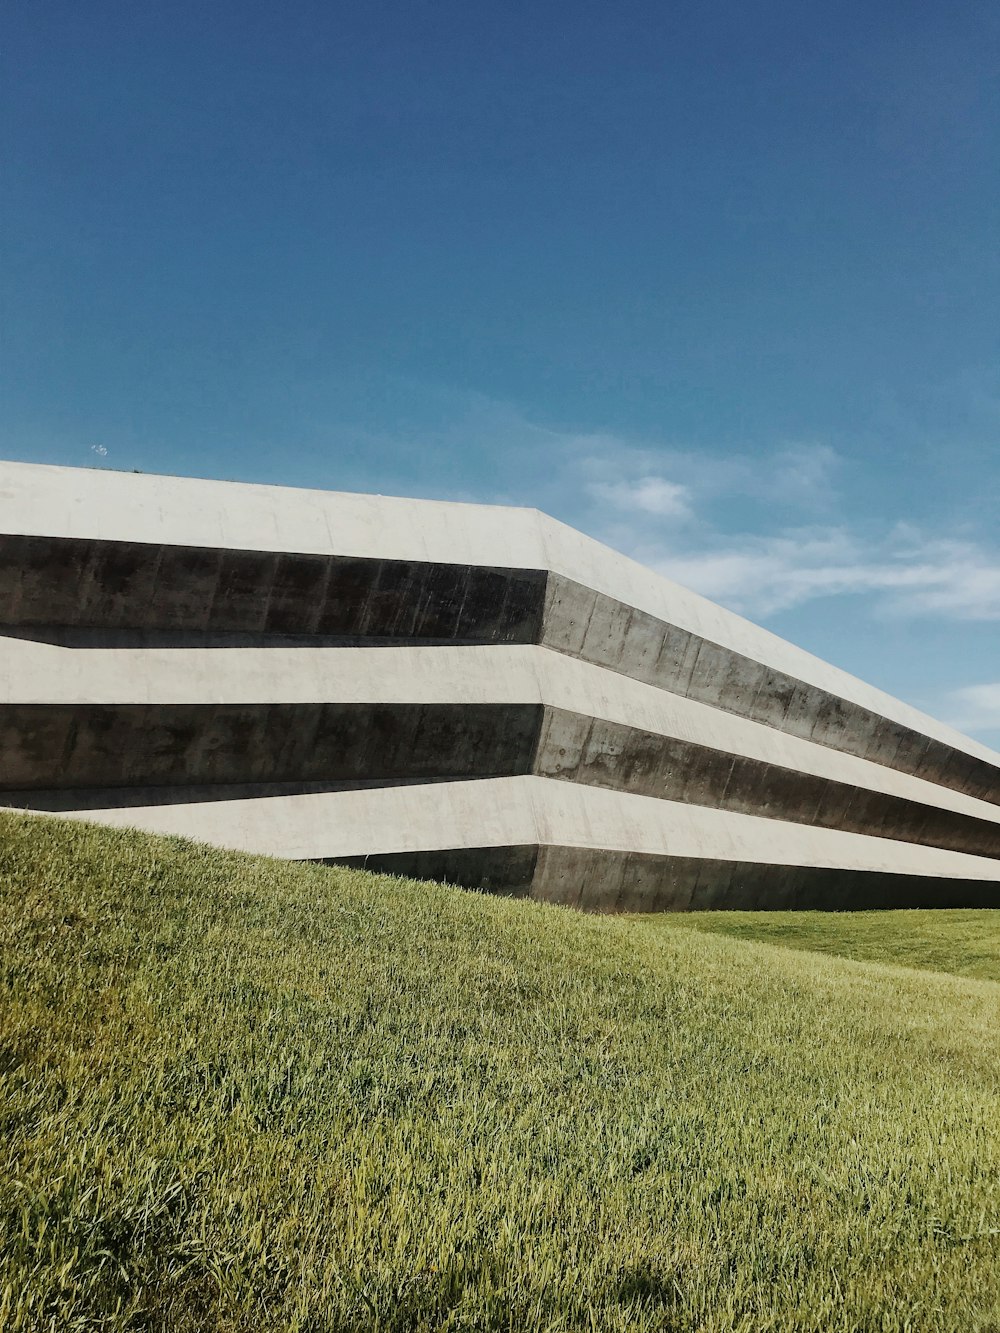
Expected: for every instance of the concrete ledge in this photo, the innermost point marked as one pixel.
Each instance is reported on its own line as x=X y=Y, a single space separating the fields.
x=79 y=590
x=607 y=754
x=597 y=881
x=531 y=811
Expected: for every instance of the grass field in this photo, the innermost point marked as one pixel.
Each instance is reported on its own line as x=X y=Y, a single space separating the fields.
x=239 y=1094
x=964 y=943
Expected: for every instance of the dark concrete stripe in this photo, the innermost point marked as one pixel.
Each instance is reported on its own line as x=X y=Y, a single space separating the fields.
x=76 y=800
x=598 y=753
x=178 y=638
x=503 y=870
x=613 y=881
x=45 y=746
x=598 y=880
x=596 y=628
x=71 y=583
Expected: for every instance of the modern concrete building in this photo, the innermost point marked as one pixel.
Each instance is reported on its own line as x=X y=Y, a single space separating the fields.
x=456 y=691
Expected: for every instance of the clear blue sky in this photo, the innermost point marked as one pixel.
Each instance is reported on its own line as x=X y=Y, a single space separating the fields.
x=717 y=282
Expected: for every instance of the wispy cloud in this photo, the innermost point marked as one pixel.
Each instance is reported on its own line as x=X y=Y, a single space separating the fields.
x=803 y=477
x=975 y=707
x=665 y=518
x=763 y=530
x=646 y=495
x=762 y=575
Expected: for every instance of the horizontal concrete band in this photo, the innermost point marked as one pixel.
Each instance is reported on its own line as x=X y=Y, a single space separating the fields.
x=101 y=585
x=130 y=746
x=607 y=754
x=102 y=505
x=611 y=634
x=599 y=881
x=72 y=801
x=633 y=882
x=532 y=811
x=75 y=585
x=34 y=672
x=46 y=746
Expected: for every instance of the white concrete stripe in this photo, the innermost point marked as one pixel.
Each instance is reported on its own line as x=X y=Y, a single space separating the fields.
x=36 y=672
x=496 y=812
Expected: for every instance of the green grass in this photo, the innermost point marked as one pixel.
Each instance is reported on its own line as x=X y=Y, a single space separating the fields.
x=240 y=1094
x=965 y=943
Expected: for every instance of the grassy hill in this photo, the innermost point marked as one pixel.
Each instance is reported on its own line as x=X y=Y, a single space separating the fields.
x=240 y=1094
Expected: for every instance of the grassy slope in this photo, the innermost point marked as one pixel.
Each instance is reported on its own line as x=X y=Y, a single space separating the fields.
x=242 y=1094
x=965 y=943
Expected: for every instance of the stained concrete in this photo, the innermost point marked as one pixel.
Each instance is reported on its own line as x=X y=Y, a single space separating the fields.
x=38 y=671
x=68 y=585
x=127 y=748
x=87 y=584
x=142 y=745
x=585 y=749
x=613 y=882
x=606 y=881
x=102 y=505
x=587 y=624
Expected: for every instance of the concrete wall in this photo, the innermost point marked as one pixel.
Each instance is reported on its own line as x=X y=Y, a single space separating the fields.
x=590 y=625
x=606 y=754
x=365 y=679
x=615 y=836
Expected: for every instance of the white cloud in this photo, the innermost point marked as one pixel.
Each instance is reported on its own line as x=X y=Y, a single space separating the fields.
x=615 y=470
x=764 y=575
x=661 y=516
x=647 y=495
x=975 y=707
x=761 y=530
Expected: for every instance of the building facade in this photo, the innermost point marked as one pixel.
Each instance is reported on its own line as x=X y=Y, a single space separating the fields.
x=461 y=692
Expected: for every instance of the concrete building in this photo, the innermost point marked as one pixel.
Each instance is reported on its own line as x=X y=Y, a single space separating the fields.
x=467 y=692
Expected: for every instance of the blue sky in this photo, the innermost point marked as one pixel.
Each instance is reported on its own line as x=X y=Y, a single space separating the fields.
x=718 y=283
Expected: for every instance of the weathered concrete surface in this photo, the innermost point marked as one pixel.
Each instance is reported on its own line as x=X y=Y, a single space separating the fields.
x=101 y=505
x=125 y=745
x=585 y=749
x=586 y=709
x=75 y=583
x=471 y=692
x=587 y=624
x=85 y=757
x=604 y=881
